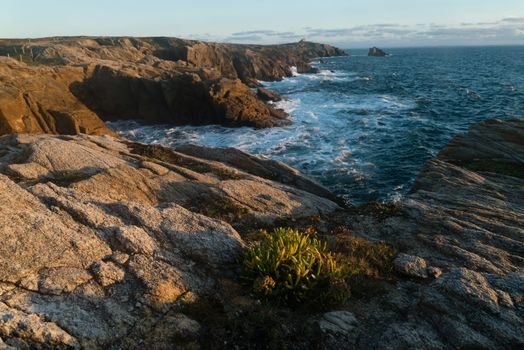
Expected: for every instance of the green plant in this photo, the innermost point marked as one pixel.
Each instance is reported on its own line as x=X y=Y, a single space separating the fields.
x=295 y=266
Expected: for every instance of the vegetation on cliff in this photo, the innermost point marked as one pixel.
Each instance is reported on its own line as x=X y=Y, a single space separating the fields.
x=295 y=267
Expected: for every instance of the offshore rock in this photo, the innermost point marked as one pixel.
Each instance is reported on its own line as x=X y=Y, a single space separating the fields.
x=376 y=52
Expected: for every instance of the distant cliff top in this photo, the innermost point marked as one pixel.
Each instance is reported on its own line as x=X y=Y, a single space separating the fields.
x=242 y=61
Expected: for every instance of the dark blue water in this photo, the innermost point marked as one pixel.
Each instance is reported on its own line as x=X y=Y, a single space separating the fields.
x=364 y=126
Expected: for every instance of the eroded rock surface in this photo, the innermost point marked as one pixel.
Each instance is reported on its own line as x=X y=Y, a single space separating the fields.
x=465 y=220
x=105 y=242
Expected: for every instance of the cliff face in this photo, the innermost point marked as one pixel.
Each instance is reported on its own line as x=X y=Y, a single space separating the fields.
x=114 y=244
x=38 y=100
x=69 y=85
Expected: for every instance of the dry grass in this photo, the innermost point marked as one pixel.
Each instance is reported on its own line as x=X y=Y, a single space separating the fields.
x=366 y=259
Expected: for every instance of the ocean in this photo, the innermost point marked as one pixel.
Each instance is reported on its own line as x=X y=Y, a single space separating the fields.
x=364 y=126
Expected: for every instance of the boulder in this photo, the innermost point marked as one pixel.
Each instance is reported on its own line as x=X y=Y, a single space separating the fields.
x=412 y=266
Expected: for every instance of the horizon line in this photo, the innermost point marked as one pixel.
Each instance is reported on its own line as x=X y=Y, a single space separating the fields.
x=342 y=46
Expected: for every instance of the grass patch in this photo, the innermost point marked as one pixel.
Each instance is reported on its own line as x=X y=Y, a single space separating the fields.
x=497 y=167
x=365 y=259
x=254 y=229
x=381 y=211
x=62 y=179
x=219 y=208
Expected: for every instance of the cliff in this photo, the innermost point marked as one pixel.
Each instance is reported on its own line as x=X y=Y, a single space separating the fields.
x=71 y=85
x=114 y=244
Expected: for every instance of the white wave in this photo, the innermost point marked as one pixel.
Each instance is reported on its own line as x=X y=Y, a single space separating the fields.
x=294 y=71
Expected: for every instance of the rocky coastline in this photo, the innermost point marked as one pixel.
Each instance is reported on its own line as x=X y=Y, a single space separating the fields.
x=71 y=85
x=113 y=244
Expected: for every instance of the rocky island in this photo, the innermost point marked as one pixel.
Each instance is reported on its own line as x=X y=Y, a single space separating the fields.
x=114 y=244
x=376 y=52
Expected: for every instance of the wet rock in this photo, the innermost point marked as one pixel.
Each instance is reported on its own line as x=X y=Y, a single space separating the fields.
x=267 y=95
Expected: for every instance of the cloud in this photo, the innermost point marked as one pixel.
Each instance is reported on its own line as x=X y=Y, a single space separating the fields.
x=254 y=32
x=514 y=20
x=502 y=31
x=244 y=38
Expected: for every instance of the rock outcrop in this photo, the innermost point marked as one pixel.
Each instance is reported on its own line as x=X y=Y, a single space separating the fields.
x=105 y=243
x=376 y=52
x=462 y=225
x=70 y=85
x=37 y=99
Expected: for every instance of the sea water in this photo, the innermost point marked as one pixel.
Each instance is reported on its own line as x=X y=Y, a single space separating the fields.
x=364 y=126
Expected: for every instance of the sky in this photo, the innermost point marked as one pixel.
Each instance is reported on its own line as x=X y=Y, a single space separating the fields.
x=345 y=23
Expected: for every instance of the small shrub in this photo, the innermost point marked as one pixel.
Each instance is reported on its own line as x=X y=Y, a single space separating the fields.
x=65 y=179
x=166 y=155
x=295 y=267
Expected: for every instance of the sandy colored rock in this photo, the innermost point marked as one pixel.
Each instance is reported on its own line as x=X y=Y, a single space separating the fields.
x=107 y=273
x=135 y=240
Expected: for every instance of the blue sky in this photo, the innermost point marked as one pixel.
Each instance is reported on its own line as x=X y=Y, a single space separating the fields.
x=347 y=23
